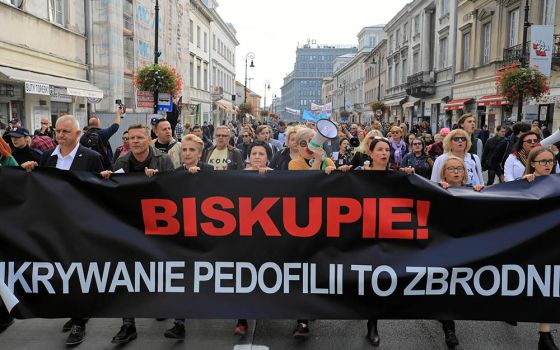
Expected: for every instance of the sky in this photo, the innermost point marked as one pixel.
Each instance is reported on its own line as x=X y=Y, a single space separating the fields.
x=272 y=29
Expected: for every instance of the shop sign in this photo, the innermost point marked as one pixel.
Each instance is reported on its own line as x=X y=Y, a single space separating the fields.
x=60 y=95
x=37 y=88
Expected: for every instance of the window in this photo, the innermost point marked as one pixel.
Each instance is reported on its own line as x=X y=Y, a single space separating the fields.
x=214 y=82
x=191 y=31
x=56 y=11
x=415 y=62
x=548 y=12
x=398 y=38
x=391 y=43
x=205 y=42
x=466 y=56
x=486 y=41
x=206 y=77
x=404 y=71
x=513 y=27
x=198 y=76
x=405 y=31
x=198 y=36
x=444 y=7
x=390 y=76
x=191 y=72
x=443 y=53
x=397 y=74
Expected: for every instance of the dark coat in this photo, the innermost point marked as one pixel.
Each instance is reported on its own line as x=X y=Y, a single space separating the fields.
x=85 y=160
x=160 y=161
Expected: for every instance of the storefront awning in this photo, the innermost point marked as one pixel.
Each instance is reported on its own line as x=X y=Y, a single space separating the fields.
x=74 y=87
x=225 y=105
x=456 y=104
x=395 y=102
x=411 y=102
x=492 y=100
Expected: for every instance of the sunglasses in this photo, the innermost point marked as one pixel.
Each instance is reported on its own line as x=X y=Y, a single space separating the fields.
x=531 y=141
x=460 y=139
x=544 y=162
x=455 y=169
x=417 y=143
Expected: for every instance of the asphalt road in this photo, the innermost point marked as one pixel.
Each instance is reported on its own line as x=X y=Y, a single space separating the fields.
x=44 y=334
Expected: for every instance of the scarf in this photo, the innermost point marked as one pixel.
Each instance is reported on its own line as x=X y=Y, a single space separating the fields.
x=399 y=150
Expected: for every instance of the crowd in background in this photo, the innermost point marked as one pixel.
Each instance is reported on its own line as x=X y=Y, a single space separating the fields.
x=455 y=157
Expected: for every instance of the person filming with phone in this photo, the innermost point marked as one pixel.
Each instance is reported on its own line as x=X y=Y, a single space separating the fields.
x=97 y=139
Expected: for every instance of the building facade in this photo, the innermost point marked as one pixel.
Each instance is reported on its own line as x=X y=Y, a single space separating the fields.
x=222 y=67
x=302 y=86
x=43 y=61
x=375 y=67
x=489 y=36
x=349 y=92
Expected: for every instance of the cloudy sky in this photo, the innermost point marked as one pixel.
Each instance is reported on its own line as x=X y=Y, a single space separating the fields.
x=272 y=30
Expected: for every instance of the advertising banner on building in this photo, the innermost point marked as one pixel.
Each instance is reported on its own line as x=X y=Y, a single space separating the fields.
x=541 y=48
x=289 y=245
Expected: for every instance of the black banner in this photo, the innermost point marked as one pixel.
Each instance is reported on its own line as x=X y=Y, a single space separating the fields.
x=291 y=245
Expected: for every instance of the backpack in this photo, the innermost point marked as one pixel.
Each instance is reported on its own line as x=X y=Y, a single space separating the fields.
x=92 y=140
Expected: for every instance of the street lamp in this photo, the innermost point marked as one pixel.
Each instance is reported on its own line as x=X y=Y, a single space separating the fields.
x=250 y=56
x=522 y=60
x=343 y=86
x=156 y=53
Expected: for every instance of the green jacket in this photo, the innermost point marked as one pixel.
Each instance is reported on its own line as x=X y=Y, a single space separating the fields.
x=10 y=161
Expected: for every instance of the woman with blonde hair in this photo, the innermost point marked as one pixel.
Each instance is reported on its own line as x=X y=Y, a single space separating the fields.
x=398 y=146
x=281 y=159
x=457 y=143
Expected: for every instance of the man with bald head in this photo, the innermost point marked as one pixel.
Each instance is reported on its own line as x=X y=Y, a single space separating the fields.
x=45 y=129
x=97 y=139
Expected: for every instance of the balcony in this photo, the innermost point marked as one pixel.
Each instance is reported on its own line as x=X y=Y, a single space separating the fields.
x=421 y=84
x=512 y=55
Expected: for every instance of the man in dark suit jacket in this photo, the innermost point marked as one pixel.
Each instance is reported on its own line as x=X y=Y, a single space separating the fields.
x=70 y=155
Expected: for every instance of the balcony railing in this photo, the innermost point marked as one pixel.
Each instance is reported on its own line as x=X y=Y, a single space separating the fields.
x=512 y=55
x=421 y=84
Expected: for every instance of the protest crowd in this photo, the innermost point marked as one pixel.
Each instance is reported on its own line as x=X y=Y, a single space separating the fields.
x=462 y=156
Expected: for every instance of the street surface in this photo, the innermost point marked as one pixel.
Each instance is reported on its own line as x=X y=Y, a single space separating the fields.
x=41 y=334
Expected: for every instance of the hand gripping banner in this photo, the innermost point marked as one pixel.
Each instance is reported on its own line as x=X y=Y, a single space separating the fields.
x=294 y=245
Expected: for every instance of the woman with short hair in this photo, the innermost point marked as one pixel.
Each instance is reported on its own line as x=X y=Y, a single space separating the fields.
x=362 y=152
x=398 y=147
x=281 y=159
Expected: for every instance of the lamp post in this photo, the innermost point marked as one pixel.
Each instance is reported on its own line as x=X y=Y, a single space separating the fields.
x=250 y=56
x=156 y=53
x=343 y=86
x=522 y=60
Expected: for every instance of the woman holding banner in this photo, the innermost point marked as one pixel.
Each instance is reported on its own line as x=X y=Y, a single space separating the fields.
x=541 y=162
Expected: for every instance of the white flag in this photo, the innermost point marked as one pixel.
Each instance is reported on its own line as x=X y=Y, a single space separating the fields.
x=293 y=111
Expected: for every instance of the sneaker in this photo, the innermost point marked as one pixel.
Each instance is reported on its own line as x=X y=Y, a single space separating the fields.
x=301 y=331
x=176 y=332
x=241 y=329
x=67 y=326
x=126 y=334
x=76 y=336
x=451 y=339
x=5 y=323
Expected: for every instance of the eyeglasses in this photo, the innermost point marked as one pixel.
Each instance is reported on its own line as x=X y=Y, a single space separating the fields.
x=531 y=141
x=544 y=162
x=221 y=135
x=303 y=143
x=460 y=139
x=417 y=143
x=455 y=169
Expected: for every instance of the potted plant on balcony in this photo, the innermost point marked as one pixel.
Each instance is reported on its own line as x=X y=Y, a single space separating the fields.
x=162 y=78
x=514 y=82
x=377 y=105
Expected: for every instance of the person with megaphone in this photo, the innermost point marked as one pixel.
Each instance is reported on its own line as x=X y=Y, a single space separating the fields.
x=312 y=157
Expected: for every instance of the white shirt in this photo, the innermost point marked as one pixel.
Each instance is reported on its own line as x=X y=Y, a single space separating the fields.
x=474 y=169
x=64 y=163
x=513 y=169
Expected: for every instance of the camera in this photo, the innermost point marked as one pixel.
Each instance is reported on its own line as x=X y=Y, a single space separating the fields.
x=122 y=107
